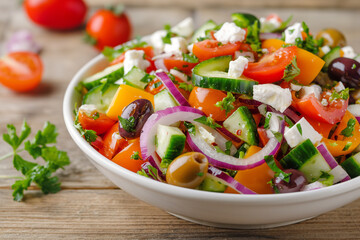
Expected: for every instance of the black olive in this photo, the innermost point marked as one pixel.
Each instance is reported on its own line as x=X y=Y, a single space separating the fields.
x=296 y=183
x=346 y=70
x=134 y=117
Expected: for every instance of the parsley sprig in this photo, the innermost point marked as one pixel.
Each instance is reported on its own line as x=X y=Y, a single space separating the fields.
x=350 y=126
x=41 y=146
x=309 y=43
x=291 y=71
x=270 y=161
x=227 y=103
x=208 y=121
x=112 y=53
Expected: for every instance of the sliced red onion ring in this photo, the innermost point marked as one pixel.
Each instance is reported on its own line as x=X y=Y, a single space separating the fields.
x=22 y=41
x=264 y=36
x=358 y=119
x=229 y=181
x=337 y=171
x=159 y=64
x=313 y=186
x=221 y=160
x=158 y=176
x=250 y=102
x=229 y=134
x=172 y=88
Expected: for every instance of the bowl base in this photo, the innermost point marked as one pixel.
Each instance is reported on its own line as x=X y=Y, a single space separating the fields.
x=238 y=226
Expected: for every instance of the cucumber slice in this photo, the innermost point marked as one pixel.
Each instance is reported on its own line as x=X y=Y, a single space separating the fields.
x=135 y=78
x=101 y=99
x=307 y=159
x=331 y=55
x=212 y=185
x=242 y=124
x=164 y=100
x=212 y=73
x=244 y=20
x=352 y=165
x=170 y=142
x=201 y=31
x=111 y=74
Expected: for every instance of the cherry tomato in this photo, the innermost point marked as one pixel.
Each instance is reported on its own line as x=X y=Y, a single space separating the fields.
x=56 y=14
x=271 y=67
x=107 y=28
x=127 y=157
x=113 y=142
x=155 y=86
x=98 y=122
x=311 y=107
x=205 y=100
x=21 y=71
x=180 y=64
x=211 y=48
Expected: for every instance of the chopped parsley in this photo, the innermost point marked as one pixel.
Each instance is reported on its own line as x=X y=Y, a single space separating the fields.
x=309 y=43
x=157 y=84
x=89 y=135
x=165 y=162
x=291 y=71
x=227 y=103
x=347 y=146
x=228 y=146
x=270 y=161
x=95 y=116
x=186 y=87
x=298 y=126
x=278 y=136
x=147 y=78
x=208 y=121
x=136 y=156
x=190 y=127
x=343 y=94
x=167 y=38
x=326 y=178
x=112 y=53
x=288 y=121
x=253 y=37
x=348 y=131
x=128 y=124
x=190 y=58
x=267 y=120
x=353 y=66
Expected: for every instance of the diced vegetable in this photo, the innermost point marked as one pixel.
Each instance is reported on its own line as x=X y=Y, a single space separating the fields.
x=101 y=96
x=170 y=142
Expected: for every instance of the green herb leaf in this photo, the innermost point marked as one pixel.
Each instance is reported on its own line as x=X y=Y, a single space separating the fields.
x=326 y=178
x=284 y=24
x=186 y=87
x=278 y=136
x=343 y=94
x=112 y=53
x=208 y=121
x=165 y=162
x=291 y=71
x=309 y=43
x=298 y=126
x=128 y=124
x=136 y=156
x=348 y=131
x=347 y=146
x=89 y=135
x=228 y=146
x=288 y=121
x=190 y=127
x=253 y=37
x=157 y=84
x=267 y=120
x=13 y=139
x=227 y=103
x=190 y=58
x=270 y=161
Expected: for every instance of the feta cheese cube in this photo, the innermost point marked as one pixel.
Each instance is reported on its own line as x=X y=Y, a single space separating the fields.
x=292 y=33
x=348 y=52
x=229 y=32
x=324 y=102
x=312 y=89
x=248 y=55
x=325 y=49
x=88 y=109
x=273 y=95
x=177 y=47
x=184 y=28
x=236 y=67
x=294 y=137
x=339 y=87
x=157 y=42
x=274 y=123
x=262 y=109
x=206 y=135
x=190 y=48
x=295 y=87
x=135 y=58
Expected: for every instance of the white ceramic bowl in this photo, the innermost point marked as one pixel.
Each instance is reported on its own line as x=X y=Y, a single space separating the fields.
x=208 y=208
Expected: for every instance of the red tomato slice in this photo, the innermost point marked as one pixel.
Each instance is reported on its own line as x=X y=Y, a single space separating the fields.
x=211 y=48
x=271 y=67
x=21 y=71
x=311 y=107
x=113 y=142
x=182 y=65
x=98 y=122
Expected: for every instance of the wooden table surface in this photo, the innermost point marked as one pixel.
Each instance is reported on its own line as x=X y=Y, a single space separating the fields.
x=90 y=206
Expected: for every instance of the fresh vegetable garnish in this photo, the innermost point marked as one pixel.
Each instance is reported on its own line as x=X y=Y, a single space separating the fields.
x=41 y=146
x=291 y=71
x=270 y=161
x=227 y=103
x=348 y=131
x=208 y=121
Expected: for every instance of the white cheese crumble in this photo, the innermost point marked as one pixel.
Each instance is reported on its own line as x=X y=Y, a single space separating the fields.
x=179 y=74
x=229 y=32
x=88 y=109
x=236 y=67
x=190 y=48
x=348 y=52
x=206 y=135
x=184 y=28
x=177 y=47
x=135 y=58
x=273 y=95
x=294 y=137
x=325 y=49
x=157 y=42
x=324 y=102
x=262 y=109
x=292 y=33
x=274 y=123
x=312 y=89
x=339 y=87
x=248 y=55
x=295 y=87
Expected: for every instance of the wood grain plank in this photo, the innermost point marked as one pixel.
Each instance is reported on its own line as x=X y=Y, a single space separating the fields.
x=113 y=214
x=349 y=4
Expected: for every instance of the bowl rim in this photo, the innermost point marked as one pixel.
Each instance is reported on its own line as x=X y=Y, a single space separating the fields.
x=164 y=188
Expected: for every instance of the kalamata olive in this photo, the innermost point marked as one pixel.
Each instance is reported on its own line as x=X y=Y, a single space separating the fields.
x=346 y=70
x=134 y=117
x=187 y=170
x=296 y=182
x=332 y=37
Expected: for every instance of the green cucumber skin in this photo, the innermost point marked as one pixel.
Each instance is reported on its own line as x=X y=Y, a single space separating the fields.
x=177 y=143
x=334 y=53
x=132 y=78
x=212 y=185
x=111 y=78
x=163 y=100
x=352 y=165
x=206 y=26
x=201 y=77
x=244 y=20
x=100 y=100
x=242 y=116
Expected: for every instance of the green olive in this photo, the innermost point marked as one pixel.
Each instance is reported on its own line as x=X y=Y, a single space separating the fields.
x=187 y=170
x=332 y=37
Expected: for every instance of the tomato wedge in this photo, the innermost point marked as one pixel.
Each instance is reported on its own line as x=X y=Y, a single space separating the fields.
x=271 y=67
x=211 y=48
x=21 y=71
x=180 y=64
x=311 y=107
x=98 y=122
x=113 y=142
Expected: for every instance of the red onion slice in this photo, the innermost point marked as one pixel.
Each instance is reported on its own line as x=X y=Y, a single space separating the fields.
x=229 y=181
x=265 y=36
x=159 y=176
x=172 y=88
x=340 y=175
x=229 y=135
x=22 y=41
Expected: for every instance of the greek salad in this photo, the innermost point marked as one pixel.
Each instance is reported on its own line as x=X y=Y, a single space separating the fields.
x=249 y=106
